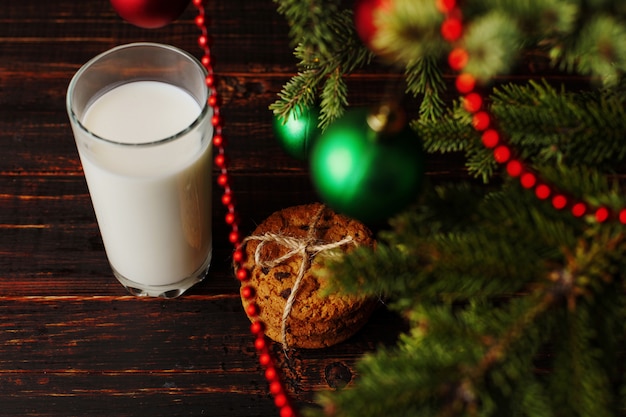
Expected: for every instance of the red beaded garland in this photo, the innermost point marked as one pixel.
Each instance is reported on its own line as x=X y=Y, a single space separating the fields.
x=260 y=343
x=227 y=198
x=559 y=202
x=271 y=374
x=458 y=58
x=248 y=292
x=472 y=102
x=514 y=168
x=238 y=256
x=276 y=387
x=222 y=180
x=280 y=400
x=253 y=310
x=218 y=141
x=579 y=209
x=528 y=180
x=452 y=30
x=602 y=214
x=287 y=411
x=257 y=327
x=445 y=6
x=481 y=121
x=465 y=83
x=542 y=191
x=502 y=154
x=230 y=218
x=242 y=274
x=491 y=138
x=265 y=359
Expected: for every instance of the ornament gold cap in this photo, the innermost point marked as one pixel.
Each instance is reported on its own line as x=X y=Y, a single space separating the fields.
x=387 y=118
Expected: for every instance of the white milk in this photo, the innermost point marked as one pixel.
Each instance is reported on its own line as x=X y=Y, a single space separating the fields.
x=153 y=203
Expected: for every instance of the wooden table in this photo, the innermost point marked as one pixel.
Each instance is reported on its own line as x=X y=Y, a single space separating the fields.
x=72 y=341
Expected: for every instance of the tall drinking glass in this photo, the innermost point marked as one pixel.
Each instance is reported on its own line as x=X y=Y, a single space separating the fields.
x=143 y=131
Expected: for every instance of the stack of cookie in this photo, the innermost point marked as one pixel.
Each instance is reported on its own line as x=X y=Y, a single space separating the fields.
x=282 y=255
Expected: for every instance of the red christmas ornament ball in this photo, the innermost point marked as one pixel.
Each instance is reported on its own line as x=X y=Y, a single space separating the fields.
x=149 y=14
x=365 y=19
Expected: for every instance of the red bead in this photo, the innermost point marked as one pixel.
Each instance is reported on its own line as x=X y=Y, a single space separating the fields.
x=216 y=120
x=271 y=374
x=472 y=102
x=260 y=343
x=206 y=62
x=622 y=216
x=458 y=58
x=465 y=83
x=252 y=310
x=501 y=154
x=248 y=292
x=227 y=199
x=276 y=388
x=559 y=202
x=528 y=180
x=257 y=327
x=218 y=140
x=579 y=209
x=220 y=160
x=602 y=214
x=238 y=256
x=280 y=400
x=213 y=100
x=542 y=191
x=287 y=411
x=451 y=29
x=242 y=274
x=199 y=20
x=230 y=218
x=209 y=80
x=265 y=359
x=203 y=41
x=514 y=168
x=198 y=3
x=222 y=180
x=445 y=6
x=491 y=138
x=233 y=237
x=481 y=121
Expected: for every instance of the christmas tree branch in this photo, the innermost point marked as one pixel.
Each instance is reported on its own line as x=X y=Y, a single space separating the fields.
x=471 y=347
x=323 y=60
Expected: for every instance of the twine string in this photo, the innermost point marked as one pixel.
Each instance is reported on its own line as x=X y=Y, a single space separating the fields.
x=307 y=248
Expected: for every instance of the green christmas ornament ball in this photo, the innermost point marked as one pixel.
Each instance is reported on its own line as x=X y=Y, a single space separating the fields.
x=368 y=164
x=297 y=132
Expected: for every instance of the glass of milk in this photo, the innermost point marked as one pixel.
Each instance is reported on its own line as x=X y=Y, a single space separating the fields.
x=143 y=130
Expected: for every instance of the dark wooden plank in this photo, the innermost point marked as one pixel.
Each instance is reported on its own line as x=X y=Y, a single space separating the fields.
x=171 y=354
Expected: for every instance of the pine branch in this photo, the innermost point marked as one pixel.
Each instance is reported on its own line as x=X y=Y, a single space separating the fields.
x=493 y=42
x=334 y=99
x=327 y=49
x=599 y=50
x=310 y=22
x=424 y=78
x=555 y=125
x=298 y=92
